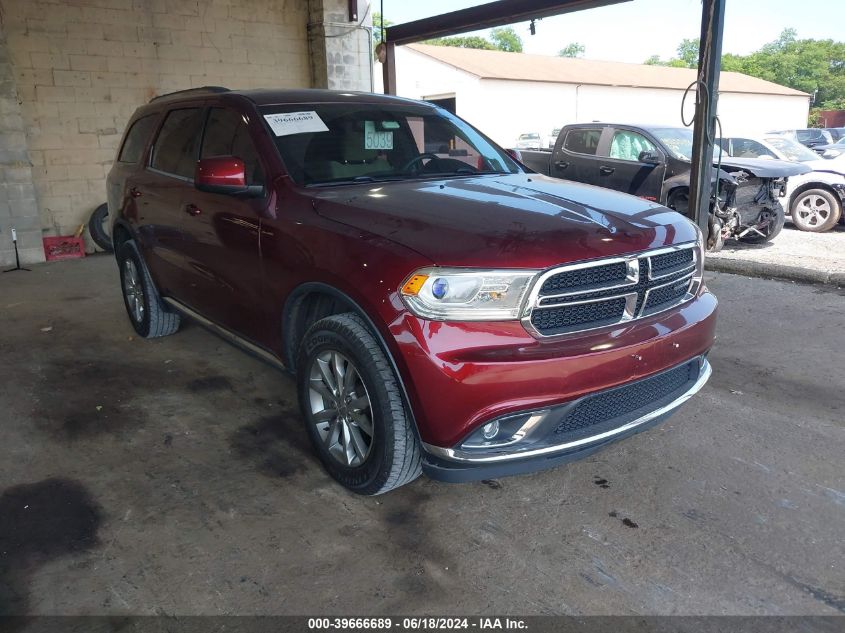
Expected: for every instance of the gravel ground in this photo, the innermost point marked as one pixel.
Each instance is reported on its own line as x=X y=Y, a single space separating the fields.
x=794 y=254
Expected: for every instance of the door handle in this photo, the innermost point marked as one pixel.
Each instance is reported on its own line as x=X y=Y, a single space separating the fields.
x=606 y=170
x=561 y=164
x=135 y=193
x=193 y=210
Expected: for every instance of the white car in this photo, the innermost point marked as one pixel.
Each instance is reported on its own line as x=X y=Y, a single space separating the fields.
x=530 y=140
x=814 y=200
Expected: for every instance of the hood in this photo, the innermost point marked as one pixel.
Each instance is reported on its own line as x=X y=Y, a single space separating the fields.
x=765 y=167
x=507 y=221
x=829 y=165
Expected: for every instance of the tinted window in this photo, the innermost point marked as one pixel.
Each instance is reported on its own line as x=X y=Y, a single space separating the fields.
x=582 y=141
x=628 y=145
x=136 y=139
x=175 y=150
x=226 y=134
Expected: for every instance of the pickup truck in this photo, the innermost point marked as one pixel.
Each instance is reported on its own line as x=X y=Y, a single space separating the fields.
x=653 y=163
x=441 y=309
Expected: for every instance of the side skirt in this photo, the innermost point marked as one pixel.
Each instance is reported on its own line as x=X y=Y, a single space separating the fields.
x=256 y=350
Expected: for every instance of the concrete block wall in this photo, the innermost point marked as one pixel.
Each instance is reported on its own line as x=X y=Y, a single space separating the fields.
x=73 y=71
x=18 y=205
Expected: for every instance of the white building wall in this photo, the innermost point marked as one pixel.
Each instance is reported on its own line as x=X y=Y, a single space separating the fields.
x=504 y=109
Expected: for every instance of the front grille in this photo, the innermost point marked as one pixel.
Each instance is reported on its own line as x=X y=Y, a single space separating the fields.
x=607 y=293
x=566 y=317
x=623 y=401
x=585 y=277
x=666 y=295
x=668 y=262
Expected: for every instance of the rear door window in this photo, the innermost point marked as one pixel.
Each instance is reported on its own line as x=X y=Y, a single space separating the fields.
x=226 y=134
x=136 y=139
x=582 y=141
x=177 y=145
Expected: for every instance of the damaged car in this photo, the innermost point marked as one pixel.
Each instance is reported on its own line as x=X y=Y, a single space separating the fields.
x=815 y=199
x=654 y=162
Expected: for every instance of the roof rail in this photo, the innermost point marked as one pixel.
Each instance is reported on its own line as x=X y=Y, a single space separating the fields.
x=213 y=89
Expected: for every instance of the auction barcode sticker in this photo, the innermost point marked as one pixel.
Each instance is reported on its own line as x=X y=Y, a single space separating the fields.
x=287 y=123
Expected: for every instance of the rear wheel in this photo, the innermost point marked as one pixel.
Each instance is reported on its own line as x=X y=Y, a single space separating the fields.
x=140 y=296
x=353 y=407
x=769 y=224
x=815 y=210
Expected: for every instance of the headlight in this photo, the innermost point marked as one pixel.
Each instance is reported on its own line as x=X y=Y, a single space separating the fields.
x=462 y=294
x=831 y=153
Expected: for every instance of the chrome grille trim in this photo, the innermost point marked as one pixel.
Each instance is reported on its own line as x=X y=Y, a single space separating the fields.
x=640 y=281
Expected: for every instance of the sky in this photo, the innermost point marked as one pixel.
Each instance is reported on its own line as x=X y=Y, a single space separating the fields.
x=633 y=31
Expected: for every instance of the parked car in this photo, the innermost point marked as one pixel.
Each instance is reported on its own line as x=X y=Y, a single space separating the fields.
x=446 y=312
x=832 y=150
x=836 y=133
x=653 y=162
x=530 y=140
x=809 y=137
x=815 y=199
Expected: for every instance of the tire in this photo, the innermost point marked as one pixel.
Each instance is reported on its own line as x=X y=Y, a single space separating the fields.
x=679 y=200
x=777 y=220
x=368 y=454
x=815 y=210
x=140 y=296
x=97 y=228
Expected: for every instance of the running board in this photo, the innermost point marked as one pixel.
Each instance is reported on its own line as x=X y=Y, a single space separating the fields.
x=227 y=334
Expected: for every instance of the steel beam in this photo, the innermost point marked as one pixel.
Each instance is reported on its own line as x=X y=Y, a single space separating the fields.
x=485 y=16
x=707 y=98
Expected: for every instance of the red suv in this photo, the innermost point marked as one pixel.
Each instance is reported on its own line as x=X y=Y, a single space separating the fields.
x=444 y=309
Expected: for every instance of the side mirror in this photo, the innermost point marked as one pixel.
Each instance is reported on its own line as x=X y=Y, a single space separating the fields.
x=515 y=154
x=649 y=156
x=223 y=174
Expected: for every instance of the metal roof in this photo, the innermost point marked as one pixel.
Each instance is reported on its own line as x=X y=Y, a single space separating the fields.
x=523 y=67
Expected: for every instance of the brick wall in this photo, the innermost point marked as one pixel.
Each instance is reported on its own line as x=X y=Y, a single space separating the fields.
x=79 y=68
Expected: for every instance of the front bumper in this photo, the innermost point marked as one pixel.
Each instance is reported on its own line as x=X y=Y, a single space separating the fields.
x=544 y=445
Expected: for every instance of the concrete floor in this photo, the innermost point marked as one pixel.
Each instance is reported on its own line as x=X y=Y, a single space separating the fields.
x=174 y=477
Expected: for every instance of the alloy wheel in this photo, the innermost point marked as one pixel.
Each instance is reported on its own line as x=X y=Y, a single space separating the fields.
x=133 y=290
x=813 y=210
x=341 y=410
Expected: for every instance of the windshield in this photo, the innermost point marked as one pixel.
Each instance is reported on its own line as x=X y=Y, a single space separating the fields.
x=366 y=142
x=792 y=150
x=528 y=137
x=677 y=139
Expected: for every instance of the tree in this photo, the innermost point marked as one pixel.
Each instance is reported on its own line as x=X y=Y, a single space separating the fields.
x=816 y=67
x=378 y=25
x=471 y=41
x=506 y=39
x=503 y=39
x=573 y=49
x=687 y=52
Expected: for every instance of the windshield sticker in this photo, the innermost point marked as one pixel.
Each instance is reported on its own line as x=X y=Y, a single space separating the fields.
x=374 y=139
x=287 y=123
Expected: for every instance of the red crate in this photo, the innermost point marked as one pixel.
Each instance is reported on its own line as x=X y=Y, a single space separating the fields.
x=63 y=247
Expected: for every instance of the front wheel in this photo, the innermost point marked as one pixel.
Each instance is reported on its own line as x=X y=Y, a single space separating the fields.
x=353 y=408
x=769 y=224
x=815 y=210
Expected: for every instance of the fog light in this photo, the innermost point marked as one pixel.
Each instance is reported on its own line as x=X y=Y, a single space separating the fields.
x=490 y=430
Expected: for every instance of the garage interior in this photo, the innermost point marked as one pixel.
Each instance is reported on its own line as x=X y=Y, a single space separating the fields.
x=174 y=476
